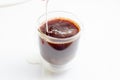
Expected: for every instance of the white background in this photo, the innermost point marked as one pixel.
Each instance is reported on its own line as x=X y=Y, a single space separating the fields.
x=99 y=49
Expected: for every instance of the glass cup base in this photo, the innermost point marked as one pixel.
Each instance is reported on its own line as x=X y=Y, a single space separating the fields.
x=56 y=68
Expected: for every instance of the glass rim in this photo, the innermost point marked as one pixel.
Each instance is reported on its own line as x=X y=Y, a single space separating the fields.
x=60 y=40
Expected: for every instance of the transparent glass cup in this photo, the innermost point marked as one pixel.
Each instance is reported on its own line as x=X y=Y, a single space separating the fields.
x=57 y=53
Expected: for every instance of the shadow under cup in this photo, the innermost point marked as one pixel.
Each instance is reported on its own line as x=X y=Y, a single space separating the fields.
x=58 y=51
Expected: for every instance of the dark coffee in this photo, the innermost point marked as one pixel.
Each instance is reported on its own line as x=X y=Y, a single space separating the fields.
x=59 y=53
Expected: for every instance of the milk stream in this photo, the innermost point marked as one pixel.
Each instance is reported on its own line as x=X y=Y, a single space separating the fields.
x=46 y=14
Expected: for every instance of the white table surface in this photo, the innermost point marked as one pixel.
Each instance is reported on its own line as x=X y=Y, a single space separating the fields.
x=99 y=49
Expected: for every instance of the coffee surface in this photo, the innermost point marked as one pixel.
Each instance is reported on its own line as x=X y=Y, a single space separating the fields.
x=60 y=28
